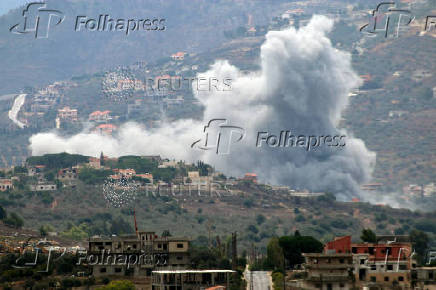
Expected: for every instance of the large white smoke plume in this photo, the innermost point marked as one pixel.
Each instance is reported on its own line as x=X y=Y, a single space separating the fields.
x=302 y=86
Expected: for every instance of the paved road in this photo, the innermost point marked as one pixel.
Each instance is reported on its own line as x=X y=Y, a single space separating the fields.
x=261 y=280
x=16 y=107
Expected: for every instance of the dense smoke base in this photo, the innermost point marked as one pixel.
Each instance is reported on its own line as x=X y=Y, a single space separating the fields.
x=303 y=86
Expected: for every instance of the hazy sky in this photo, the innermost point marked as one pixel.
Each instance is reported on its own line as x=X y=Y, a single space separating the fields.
x=6 y=5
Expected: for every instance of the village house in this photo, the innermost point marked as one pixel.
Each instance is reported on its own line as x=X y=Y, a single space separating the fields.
x=328 y=271
x=148 y=176
x=105 y=129
x=153 y=252
x=424 y=278
x=178 y=55
x=380 y=265
x=195 y=179
x=191 y=279
x=250 y=177
x=413 y=190
x=67 y=174
x=43 y=187
x=35 y=170
x=167 y=164
x=100 y=117
x=67 y=114
x=6 y=184
x=94 y=162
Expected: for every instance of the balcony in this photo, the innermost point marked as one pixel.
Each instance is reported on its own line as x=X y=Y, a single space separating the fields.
x=329 y=278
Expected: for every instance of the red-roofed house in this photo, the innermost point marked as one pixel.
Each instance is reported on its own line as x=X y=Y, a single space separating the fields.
x=366 y=78
x=178 y=55
x=251 y=31
x=100 y=117
x=146 y=176
x=251 y=176
x=94 y=163
x=340 y=245
x=107 y=129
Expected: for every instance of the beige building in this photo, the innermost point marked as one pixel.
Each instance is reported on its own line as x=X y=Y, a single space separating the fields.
x=6 y=184
x=424 y=278
x=137 y=255
x=191 y=279
x=67 y=114
x=197 y=180
x=43 y=187
x=328 y=271
x=378 y=275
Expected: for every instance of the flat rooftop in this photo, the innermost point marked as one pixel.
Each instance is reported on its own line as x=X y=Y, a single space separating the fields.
x=191 y=271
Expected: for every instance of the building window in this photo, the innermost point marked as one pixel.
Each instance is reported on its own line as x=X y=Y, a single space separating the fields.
x=117 y=270
x=362 y=261
x=179 y=258
x=102 y=270
x=342 y=285
x=180 y=246
x=400 y=278
x=341 y=261
x=159 y=246
x=354 y=250
x=373 y=267
x=373 y=279
x=386 y=279
x=403 y=267
x=390 y=267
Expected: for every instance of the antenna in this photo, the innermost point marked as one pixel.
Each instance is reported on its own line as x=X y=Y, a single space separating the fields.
x=136 y=225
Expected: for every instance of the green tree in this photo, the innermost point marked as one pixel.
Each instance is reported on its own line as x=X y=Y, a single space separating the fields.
x=275 y=256
x=92 y=176
x=14 y=220
x=3 y=213
x=260 y=219
x=420 y=243
x=45 y=229
x=42 y=231
x=294 y=246
x=368 y=236
x=253 y=229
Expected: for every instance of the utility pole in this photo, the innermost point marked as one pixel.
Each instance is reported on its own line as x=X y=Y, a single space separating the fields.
x=284 y=271
x=209 y=229
x=251 y=281
x=234 y=251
